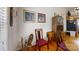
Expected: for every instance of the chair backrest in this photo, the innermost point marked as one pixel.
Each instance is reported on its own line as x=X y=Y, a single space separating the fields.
x=30 y=39
x=68 y=33
x=22 y=42
x=58 y=37
x=39 y=34
x=50 y=35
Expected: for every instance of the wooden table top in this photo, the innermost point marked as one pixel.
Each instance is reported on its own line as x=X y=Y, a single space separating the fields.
x=72 y=43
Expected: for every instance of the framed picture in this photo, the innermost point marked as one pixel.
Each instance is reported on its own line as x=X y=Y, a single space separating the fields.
x=41 y=18
x=29 y=16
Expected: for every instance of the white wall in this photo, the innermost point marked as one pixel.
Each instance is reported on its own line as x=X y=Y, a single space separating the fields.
x=13 y=39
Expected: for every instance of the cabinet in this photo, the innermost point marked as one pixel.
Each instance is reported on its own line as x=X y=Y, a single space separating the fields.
x=57 y=23
x=71 y=23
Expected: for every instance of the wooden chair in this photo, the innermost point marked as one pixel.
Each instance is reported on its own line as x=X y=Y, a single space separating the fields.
x=77 y=34
x=60 y=43
x=50 y=36
x=39 y=39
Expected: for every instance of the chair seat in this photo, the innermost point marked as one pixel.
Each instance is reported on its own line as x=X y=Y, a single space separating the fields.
x=41 y=42
x=63 y=46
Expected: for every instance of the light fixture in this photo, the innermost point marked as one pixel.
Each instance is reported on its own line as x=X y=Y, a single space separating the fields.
x=76 y=9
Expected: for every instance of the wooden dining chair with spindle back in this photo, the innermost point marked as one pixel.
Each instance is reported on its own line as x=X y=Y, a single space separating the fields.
x=40 y=41
x=60 y=43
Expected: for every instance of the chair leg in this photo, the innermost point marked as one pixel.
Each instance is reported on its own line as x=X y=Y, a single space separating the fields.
x=39 y=48
x=48 y=46
x=57 y=48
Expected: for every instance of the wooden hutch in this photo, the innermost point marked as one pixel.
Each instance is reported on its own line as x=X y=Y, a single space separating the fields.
x=57 y=23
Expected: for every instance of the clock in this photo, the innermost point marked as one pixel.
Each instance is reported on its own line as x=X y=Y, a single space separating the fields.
x=60 y=20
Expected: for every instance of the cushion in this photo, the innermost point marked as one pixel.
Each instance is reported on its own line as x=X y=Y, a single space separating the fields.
x=63 y=46
x=41 y=42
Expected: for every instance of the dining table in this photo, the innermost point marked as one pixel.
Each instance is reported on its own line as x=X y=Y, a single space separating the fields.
x=72 y=43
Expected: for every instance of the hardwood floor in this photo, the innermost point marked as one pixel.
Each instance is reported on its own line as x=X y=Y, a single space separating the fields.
x=72 y=43
x=52 y=47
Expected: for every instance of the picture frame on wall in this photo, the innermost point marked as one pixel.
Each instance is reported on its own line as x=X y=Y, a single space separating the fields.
x=29 y=16
x=41 y=18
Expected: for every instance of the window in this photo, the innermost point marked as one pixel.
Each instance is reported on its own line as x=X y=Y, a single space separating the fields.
x=3 y=23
